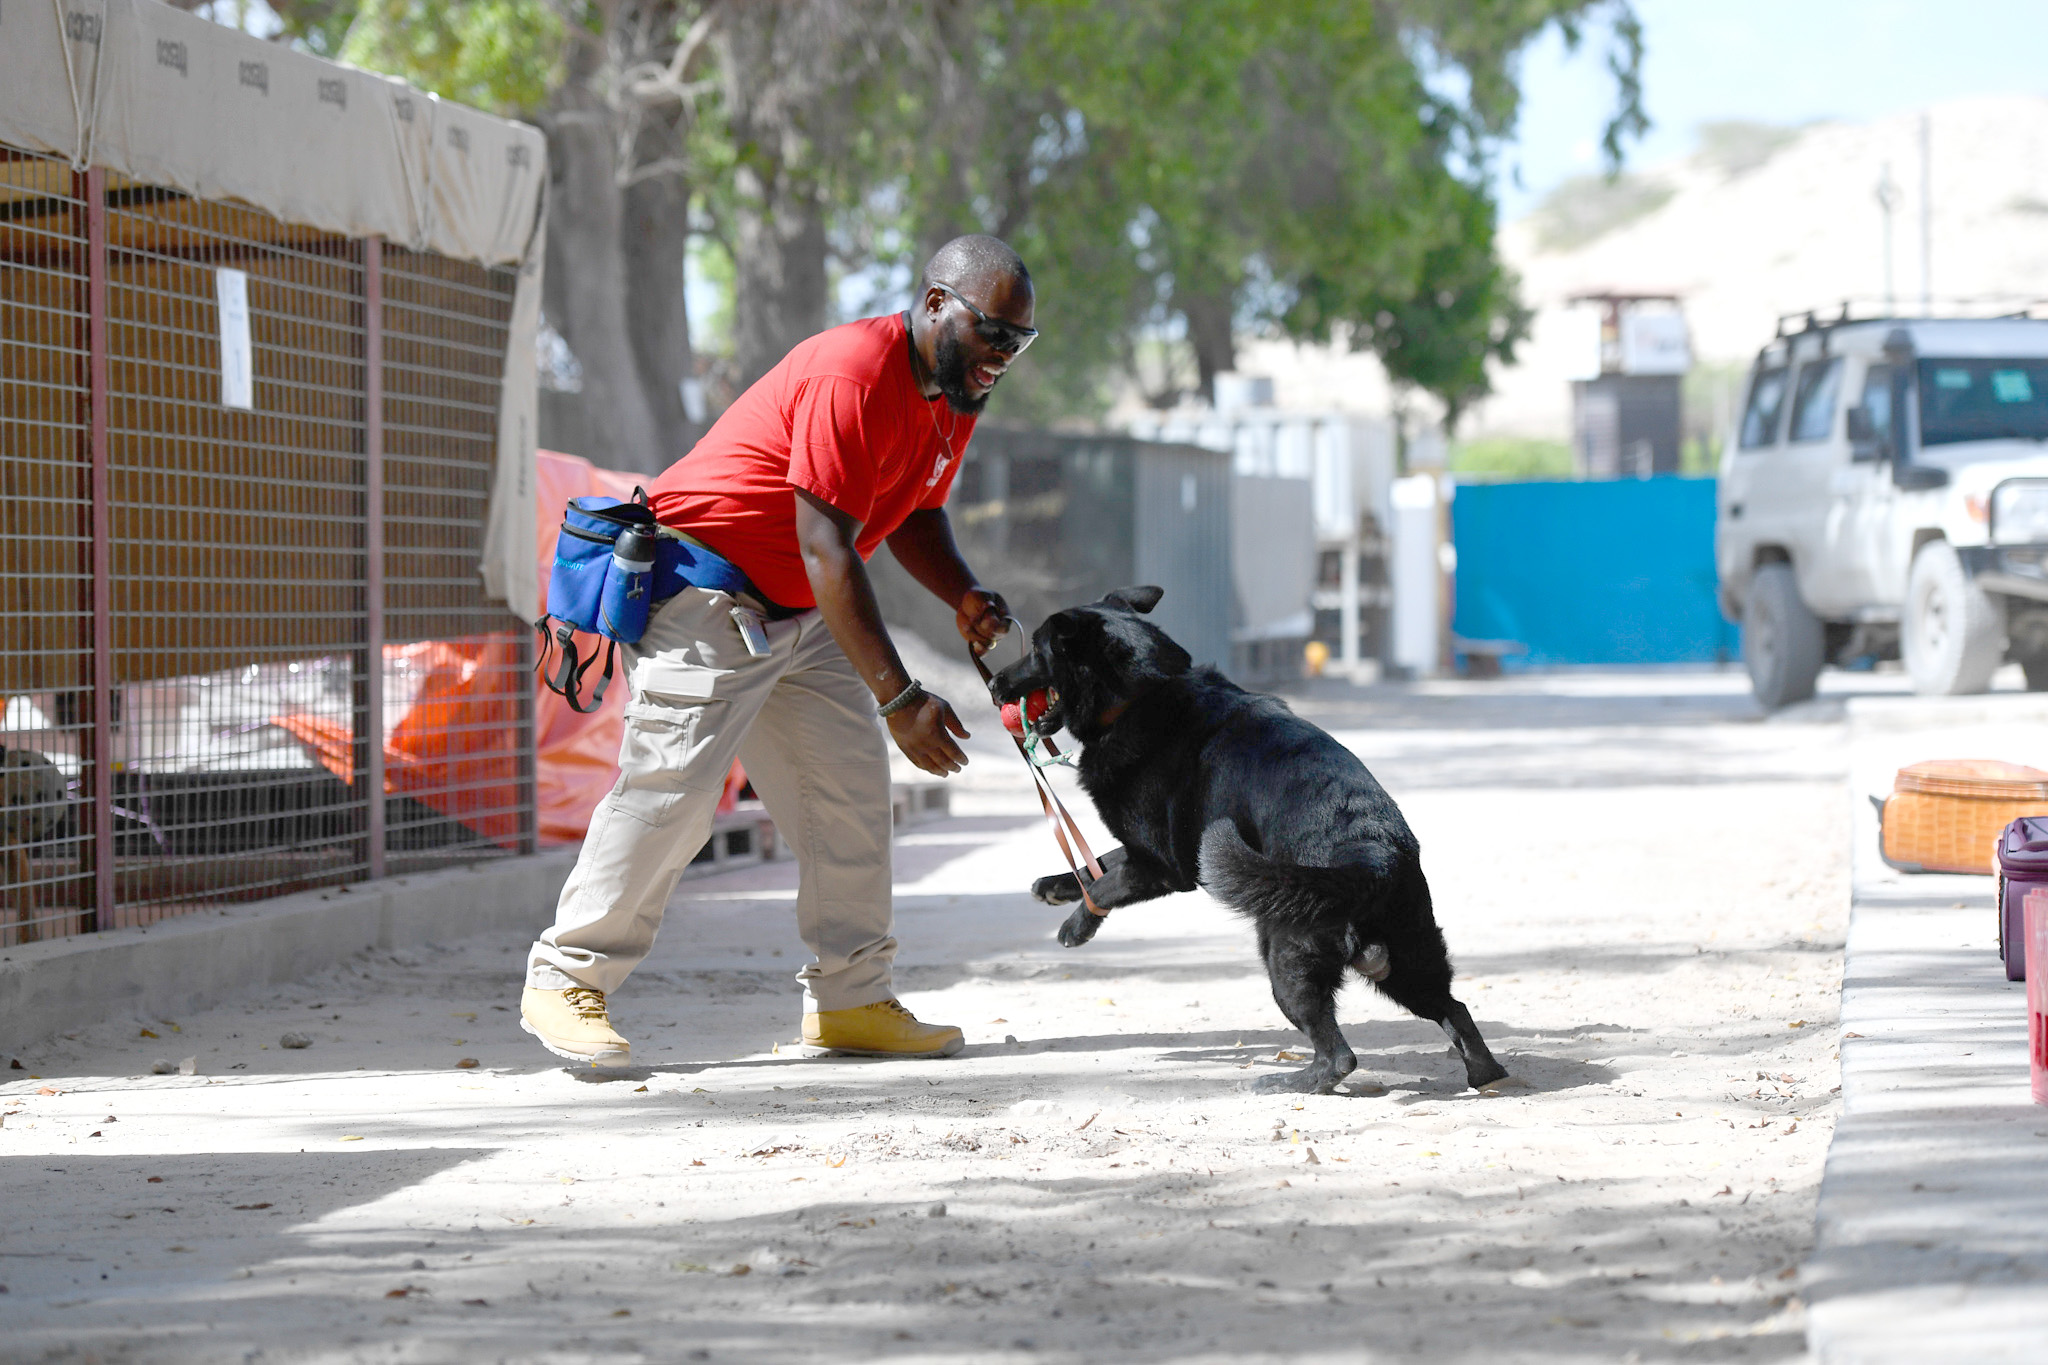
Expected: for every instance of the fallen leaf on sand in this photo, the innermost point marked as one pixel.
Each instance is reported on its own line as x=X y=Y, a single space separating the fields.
x=156 y=1180
x=403 y=1291
x=48 y=1090
x=1797 y=1023
x=691 y=1267
x=622 y=1312
x=352 y=1137
x=149 y=1033
x=1282 y=1185
x=739 y=1270
x=462 y=1014
x=639 y=1089
x=252 y=1206
x=999 y=1021
x=1107 y=1001
x=1289 y=1057
x=1090 y=1119
x=476 y=1303
x=1852 y=1035
x=696 y=1163
x=1725 y=1189
x=1310 y=1159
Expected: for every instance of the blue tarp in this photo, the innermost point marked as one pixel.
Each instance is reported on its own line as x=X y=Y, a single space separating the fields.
x=1607 y=572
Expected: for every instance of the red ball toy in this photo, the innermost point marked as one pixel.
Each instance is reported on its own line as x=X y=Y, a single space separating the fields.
x=1013 y=717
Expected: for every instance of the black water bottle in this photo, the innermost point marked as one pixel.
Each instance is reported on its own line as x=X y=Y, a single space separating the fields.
x=629 y=585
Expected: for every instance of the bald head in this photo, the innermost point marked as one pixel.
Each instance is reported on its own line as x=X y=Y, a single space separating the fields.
x=976 y=259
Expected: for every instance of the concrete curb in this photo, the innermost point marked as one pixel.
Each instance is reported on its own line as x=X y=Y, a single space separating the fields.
x=1931 y=1236
x=197 y=960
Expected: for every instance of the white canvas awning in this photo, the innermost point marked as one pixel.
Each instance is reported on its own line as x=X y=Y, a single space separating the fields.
x=159 y=95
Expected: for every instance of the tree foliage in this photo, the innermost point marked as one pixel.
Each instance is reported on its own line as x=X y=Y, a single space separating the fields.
x=1176 y=173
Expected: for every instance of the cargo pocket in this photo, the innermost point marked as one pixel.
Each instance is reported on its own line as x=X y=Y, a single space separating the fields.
x=673 y=739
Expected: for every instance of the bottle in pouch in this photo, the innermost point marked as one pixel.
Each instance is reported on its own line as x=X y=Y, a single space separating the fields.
x=628 y=586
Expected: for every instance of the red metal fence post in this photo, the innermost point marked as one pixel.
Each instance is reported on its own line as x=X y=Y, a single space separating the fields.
x=371 y=739
x=98 y=769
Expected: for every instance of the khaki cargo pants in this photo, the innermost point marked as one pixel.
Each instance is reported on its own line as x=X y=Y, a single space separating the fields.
x=804 y=725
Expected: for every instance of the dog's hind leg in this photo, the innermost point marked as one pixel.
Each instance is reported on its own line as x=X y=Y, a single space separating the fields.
x=1431 y=999
x=1306 y=971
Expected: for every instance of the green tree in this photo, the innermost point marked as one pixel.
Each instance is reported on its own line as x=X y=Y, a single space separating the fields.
x=1175 y=172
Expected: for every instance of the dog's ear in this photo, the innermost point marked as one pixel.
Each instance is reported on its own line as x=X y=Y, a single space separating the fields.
x=1135 y=599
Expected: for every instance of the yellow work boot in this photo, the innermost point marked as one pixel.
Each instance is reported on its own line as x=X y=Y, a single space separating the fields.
x=573 y=1024
x=883 y=1029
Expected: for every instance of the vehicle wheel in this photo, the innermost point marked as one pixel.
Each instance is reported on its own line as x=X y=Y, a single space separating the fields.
x=1781 y=639
x=1951 y=635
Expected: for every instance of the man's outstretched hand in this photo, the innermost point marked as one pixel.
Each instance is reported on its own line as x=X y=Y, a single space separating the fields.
x=921 y=732
x=983 y=618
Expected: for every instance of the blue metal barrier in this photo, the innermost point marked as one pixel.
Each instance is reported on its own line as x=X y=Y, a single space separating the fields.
x=1606 y=572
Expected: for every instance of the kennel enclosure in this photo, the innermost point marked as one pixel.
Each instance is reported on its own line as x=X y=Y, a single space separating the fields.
x=266 y=428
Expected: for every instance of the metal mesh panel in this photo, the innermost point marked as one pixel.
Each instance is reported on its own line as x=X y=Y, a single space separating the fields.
x=237 y=538
x=444 y=333
x=45 y=550
x=205 y=560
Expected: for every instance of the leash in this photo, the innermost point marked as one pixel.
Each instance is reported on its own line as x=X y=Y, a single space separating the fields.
x=1055 y=813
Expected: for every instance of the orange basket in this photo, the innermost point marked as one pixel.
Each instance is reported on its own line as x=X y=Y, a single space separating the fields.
x=1946 y=815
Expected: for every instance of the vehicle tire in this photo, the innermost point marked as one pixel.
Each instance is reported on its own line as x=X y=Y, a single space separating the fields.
x=1782 y=640
x=1952 y=634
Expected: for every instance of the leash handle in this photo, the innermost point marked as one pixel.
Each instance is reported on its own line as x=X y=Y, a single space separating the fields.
x=1056 y=814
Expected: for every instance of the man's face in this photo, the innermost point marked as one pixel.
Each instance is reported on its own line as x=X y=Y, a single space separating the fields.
x=971 y=353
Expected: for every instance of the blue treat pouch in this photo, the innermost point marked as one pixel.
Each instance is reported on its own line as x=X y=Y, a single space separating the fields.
x=602 y=582
x=612 y=567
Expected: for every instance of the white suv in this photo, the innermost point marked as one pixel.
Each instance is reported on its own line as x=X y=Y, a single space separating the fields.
x=1886 y=496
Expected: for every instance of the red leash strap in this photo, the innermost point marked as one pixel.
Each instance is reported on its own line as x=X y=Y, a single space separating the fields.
x=1055 y=813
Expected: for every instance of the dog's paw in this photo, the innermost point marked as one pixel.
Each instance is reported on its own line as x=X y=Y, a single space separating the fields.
x=1063 y=889
x=1079 y=928
x=1310 y=1080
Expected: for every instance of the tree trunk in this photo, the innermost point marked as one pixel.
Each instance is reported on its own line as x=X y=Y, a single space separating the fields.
x=656 y=242
x=1210 y=316
x=587 y=287
x=779 y=64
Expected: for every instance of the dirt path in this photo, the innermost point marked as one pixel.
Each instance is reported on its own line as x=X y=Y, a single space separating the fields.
x=1644 y=888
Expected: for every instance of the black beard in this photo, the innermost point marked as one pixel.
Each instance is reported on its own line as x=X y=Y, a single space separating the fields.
x=949 y=372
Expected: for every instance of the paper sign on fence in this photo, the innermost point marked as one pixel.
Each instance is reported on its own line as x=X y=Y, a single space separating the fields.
x=237 y=357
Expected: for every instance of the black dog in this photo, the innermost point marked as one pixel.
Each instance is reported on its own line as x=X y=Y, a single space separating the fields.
x=1207 y=784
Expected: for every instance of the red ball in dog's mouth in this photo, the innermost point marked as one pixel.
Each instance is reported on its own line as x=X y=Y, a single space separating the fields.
x=1035 y=705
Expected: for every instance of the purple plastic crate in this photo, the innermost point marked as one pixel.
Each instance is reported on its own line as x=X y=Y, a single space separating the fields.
x=2022 y=867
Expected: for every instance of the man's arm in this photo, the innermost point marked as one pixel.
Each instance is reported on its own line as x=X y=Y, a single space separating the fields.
x=839 y=580
x=924 y=546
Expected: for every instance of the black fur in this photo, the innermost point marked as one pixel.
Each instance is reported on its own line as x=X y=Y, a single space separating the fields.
x=1209 y=785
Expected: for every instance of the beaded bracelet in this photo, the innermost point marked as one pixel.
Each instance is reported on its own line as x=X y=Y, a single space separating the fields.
x=909 y=696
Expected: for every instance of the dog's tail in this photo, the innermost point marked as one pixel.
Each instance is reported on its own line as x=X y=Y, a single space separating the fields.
x=1253 y=884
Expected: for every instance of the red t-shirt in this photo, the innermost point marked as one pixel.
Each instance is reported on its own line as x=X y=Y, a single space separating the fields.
x=841 y=418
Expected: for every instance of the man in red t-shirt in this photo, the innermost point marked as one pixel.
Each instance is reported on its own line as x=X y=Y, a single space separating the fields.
x=852 y=441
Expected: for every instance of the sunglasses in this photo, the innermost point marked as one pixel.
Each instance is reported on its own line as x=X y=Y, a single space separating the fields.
x=1006 y=337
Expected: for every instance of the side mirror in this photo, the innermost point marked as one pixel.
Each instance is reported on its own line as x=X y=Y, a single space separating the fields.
x=1918 y=478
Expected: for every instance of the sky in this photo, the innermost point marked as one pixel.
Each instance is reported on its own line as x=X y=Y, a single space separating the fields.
x=1772 y=61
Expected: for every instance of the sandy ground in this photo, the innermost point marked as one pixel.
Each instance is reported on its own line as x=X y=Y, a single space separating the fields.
x=1644 y=886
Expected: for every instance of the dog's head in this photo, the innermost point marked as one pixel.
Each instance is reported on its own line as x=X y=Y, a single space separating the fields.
x=1093 y=661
